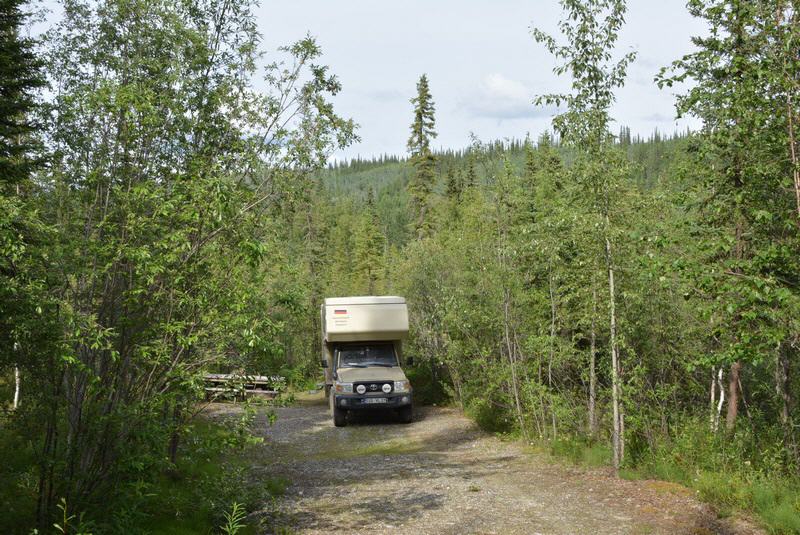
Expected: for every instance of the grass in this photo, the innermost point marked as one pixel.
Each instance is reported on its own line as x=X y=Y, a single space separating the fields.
x=773 y=501
x=587 y=454
x=740 y=474
x=213 y=470
x=210 y=475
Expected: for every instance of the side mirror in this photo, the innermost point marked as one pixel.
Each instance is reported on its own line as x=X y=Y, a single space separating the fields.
x=410 y=361
x=323 y=363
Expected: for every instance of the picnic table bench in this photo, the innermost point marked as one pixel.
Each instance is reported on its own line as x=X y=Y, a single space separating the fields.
x=241 y=385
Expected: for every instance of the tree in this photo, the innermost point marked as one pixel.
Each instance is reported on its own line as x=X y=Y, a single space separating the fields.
x=370 y=245
x=20 y=76
x=170 y=175
x=746 y=82
x=591 y=28
x=453 y=184
x=422 y=158
x=20 y=228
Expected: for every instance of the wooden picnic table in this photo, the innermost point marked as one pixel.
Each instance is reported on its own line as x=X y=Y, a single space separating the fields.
x=242 y=385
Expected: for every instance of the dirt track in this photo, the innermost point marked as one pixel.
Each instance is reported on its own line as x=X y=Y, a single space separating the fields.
x=442 y=475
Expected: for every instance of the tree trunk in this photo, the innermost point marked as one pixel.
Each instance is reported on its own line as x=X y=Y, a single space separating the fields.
x=174 y=439
x=791 y=83
x=721 y=401
x=733 y=396
x=511 y=349
x=17 y=382
x=616 y=437
x=592 y=371
x=782 y=370
x=621 y=431
x=421 y=221
x=552 y=329
x=793 y=153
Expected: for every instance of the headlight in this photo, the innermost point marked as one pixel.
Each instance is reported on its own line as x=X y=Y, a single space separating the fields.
x=402 y=386
x=344 y=388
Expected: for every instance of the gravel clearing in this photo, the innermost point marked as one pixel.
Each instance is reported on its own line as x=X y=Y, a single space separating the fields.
x=442 y=475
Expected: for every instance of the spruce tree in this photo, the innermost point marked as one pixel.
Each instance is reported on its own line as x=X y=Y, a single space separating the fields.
x=454 y=184
x=370 y=244
x=422 y=131
x=471 y=176
x=20 y=263
x=531 y=162
x=19 y=77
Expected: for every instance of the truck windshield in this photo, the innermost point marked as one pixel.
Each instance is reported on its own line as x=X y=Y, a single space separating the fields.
x=363 y=355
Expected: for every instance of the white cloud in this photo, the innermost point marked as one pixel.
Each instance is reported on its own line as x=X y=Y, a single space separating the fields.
x=499 y=87
x=379 y=50
x=500 y=97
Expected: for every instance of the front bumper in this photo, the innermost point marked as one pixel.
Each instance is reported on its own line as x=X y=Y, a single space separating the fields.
x=356 y=401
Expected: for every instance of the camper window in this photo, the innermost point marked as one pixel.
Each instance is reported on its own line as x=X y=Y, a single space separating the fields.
x=363 y=355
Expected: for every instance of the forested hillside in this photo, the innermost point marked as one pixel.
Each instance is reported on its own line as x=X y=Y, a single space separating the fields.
x=626 y=300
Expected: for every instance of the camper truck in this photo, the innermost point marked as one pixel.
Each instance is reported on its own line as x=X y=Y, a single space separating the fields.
x=362 y=354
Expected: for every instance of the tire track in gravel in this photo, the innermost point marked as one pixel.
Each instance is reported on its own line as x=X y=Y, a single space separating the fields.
x=442 y=475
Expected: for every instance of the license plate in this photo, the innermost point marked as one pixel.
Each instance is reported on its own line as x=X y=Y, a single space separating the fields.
x=369 y=401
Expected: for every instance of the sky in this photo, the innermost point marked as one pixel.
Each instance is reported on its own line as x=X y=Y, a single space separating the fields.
x=483 y=65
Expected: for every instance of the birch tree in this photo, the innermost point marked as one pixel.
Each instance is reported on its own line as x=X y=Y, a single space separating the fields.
x=590 y=29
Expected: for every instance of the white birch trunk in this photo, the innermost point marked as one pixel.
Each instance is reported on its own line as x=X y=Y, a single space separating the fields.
x=592 y=371
x=17 y=383
x=616 y=438
x=721 y=401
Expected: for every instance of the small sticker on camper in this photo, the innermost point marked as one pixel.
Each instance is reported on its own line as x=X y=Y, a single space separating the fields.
x=340 y=311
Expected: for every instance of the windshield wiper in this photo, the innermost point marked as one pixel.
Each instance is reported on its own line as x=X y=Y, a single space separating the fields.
x=352 y=365
x=384 y=364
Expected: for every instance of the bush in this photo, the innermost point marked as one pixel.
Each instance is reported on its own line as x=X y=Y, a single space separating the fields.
x=428 y=390
x=488 y=417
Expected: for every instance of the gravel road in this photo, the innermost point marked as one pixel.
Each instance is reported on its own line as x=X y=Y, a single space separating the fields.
x=441 y=475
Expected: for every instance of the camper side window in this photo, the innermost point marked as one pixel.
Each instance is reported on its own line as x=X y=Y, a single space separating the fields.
x=364 y=355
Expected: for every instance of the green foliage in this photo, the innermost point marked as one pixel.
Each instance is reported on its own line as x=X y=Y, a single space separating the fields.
x=20 y=76
x=186 y=222
x=422 y=131
x=25 y=308
x=423 y=126
x=745 y=82
x=590 y=29
x=581 y=453
x=234 y=520
x=429 y=389
x=162 y=210
x=70 y=523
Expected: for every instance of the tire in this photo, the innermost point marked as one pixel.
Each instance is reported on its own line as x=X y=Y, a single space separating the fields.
x=406 y=414
x=339 y=415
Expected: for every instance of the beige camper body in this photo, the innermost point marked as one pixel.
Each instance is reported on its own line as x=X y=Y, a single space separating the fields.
x=363 y=324
x=350 y=319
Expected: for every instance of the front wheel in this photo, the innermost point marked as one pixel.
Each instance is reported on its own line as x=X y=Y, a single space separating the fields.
x=339 y=417
x=406 y=414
